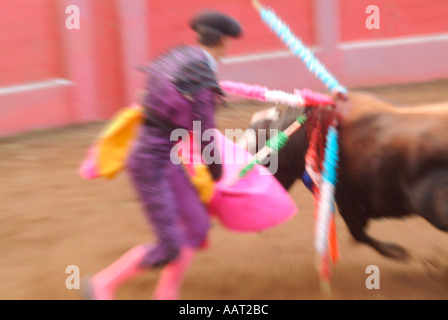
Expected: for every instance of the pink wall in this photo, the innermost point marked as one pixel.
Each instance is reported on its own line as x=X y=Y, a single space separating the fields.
x=397 y=18
x=51 y=76
x=169 y=21
x=28 y=50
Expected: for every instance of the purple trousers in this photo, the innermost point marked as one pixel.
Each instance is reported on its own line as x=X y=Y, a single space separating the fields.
x=171 y=203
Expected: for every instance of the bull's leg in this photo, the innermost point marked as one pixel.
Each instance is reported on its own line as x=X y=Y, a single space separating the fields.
x=356 y=217
x=429 y=198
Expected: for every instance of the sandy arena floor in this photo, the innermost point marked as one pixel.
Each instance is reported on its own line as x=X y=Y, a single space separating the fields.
x=50 y=218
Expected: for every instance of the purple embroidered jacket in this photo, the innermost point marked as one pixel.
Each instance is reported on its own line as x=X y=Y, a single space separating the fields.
x=180 y=73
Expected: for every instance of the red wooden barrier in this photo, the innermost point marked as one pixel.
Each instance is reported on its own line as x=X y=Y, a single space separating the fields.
x=169 y=21
x=52 y=76
x=398 y=18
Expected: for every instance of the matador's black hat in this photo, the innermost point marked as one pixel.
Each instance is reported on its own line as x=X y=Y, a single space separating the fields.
x=216 y=23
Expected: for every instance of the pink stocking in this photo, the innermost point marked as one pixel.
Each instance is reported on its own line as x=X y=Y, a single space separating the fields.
x=105 y=283
x=168 y=286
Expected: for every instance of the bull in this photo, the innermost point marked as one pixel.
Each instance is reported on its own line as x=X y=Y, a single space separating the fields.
x=393 y=162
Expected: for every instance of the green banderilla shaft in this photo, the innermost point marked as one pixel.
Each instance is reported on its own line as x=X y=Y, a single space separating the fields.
x=276 y=143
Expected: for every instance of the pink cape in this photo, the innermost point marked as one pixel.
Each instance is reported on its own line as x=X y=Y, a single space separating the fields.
x=253 y=203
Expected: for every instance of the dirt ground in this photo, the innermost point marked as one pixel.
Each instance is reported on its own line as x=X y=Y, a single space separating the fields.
x=50 y=218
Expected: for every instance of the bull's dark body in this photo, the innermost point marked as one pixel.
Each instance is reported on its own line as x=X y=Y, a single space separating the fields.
x=393 y=163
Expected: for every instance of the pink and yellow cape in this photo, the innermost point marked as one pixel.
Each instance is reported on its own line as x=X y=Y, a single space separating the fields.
x=253 y=203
